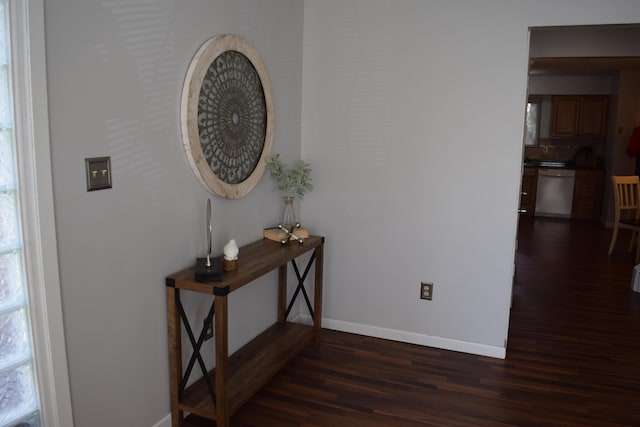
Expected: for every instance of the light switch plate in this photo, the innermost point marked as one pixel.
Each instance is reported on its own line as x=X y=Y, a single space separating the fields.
x=98 y=173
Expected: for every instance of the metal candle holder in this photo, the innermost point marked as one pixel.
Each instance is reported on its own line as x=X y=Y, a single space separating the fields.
x=208 y=269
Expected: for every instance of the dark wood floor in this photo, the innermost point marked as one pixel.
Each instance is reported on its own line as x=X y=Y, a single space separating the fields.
x=573 y=356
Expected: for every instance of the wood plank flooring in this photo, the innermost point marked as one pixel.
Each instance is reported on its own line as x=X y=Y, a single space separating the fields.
x=573 y=355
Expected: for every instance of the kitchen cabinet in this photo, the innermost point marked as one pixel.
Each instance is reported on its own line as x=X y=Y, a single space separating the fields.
x=587 y=194
x=528 y=191
x=579 y=115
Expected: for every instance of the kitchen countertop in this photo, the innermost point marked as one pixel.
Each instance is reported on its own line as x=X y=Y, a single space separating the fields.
x=558 y=164
x=561 y=164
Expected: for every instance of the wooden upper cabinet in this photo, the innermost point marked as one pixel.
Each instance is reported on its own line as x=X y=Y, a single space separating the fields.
x=579 y=116
x=593 y=116
x=565 y=110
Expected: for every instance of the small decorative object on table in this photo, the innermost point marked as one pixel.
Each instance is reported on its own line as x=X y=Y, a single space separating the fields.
x=208 y=269
x=291 y=181
x=280 y=235
x=230 y=259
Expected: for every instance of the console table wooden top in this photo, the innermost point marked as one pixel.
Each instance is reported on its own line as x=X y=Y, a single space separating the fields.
x=254 y=260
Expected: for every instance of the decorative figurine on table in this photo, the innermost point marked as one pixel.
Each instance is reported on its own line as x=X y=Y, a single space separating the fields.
x=208 y=269
x=230 y=259
x=291 y=233
x=291 y=181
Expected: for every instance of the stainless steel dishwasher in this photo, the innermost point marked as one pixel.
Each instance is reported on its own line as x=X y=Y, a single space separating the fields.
x=554 y=195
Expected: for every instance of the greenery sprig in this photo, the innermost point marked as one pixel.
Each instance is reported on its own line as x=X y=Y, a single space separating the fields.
x=291 y=181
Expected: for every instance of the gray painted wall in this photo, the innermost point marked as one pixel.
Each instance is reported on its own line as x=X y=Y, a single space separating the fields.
x=410 y=113
x=587 y=41
x=115 y=74
x=425 y=102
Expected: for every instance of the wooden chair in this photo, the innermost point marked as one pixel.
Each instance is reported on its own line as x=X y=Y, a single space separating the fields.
x=627 y=213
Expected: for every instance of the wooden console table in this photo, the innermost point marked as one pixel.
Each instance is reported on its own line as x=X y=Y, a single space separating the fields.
x=221 y=391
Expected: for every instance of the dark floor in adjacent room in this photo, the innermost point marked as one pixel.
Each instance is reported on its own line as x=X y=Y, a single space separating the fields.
x=573 y=355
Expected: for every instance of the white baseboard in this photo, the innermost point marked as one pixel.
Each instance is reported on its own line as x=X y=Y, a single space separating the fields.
x=165 y=422
x=413 y=338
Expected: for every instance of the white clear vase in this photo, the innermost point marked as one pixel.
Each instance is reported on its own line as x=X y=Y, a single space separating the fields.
x=288 y=219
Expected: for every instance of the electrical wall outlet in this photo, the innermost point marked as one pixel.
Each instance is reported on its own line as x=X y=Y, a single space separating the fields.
x=426 y=290
x=209 y=333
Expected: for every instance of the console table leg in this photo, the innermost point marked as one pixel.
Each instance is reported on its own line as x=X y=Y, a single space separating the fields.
x=317 y=295
x=175 y=354
x=222 y=357
x=282 y=291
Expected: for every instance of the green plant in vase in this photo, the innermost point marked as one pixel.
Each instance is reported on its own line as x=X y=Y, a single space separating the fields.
x=292 y=181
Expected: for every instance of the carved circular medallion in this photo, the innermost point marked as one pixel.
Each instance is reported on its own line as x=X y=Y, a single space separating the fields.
x=227 y=116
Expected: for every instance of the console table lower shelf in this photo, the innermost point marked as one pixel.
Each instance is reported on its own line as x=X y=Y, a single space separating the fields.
x=223 y=390
x=250 y=368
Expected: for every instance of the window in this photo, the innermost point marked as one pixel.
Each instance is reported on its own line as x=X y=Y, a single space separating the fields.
x=18 y=396
x=34 y=388
x=532 y=122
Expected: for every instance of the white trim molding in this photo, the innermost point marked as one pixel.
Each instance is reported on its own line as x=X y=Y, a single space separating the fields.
x=165 y=422
x=37 y=210
x=415 y=338
x=407 y=337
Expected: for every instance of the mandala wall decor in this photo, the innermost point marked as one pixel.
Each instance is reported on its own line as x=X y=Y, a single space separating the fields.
x=227 y=116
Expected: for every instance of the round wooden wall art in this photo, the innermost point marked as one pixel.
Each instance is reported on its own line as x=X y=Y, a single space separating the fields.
x=227 y=116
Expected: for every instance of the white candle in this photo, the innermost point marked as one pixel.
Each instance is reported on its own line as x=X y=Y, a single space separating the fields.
x=231 y=250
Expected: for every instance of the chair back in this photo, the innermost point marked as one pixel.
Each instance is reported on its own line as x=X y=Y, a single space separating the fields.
x=625 y=191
